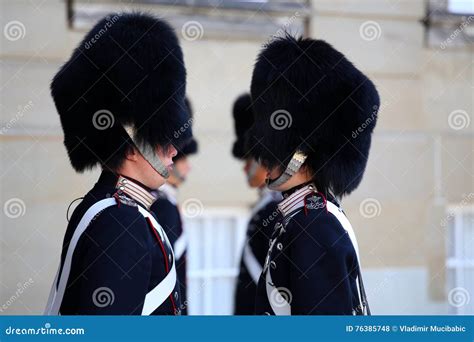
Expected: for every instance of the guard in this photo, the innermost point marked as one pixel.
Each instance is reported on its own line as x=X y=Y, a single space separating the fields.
x=315 y=113
x=120 y=98
x=167 y=211
x=263 y=216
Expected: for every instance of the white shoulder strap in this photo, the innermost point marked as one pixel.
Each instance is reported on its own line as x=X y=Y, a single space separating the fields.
x=279 y=304
x=57 y=292
x=333 y=209
x=153 y=299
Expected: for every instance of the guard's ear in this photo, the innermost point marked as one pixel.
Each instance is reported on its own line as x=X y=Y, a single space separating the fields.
x=132 y=154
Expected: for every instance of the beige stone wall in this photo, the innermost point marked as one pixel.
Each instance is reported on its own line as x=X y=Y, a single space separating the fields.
x=418 y=164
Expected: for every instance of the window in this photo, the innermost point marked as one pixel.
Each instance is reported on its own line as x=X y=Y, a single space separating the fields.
x=215 y=241
x=460 y=260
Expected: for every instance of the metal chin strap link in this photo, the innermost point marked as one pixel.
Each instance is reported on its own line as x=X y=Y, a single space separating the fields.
x=148 y=153
x=293 y=166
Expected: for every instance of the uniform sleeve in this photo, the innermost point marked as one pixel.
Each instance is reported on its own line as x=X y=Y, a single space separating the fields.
x=116 y=264
x=322 y=265
x=168 y=217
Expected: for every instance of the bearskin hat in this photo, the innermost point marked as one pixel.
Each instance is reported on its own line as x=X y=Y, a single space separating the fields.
x=191 y=146
x=128 y=70
x=308 y=96
x=243 y=120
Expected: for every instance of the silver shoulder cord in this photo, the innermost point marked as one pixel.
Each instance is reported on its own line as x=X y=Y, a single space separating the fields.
x=293 y=167
x=148 y=153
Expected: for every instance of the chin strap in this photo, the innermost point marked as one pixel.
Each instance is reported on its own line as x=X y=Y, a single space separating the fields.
x=148 y=153
x=293 y=166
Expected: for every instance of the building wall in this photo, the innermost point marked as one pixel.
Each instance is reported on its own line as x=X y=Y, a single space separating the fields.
x=418 y=165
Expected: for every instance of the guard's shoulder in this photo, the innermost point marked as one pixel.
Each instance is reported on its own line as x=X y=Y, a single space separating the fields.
x=122 y=221
x=162 y=203
x=315 y=223
x=122 y=199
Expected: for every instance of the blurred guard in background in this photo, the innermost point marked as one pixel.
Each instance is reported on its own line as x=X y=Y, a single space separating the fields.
x=167 y=212
x=263 y=215
x=120 y=98
x=315 y=113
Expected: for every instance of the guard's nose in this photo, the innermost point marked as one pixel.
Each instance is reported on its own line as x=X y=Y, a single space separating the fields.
x=173 y=152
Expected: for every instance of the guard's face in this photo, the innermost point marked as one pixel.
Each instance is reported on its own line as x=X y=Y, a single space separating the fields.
x=256 y=173
x=183 y=167
x=151 y=178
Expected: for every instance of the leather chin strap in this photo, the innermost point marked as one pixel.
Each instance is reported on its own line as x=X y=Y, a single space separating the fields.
x=293 y=167
x=149 y=155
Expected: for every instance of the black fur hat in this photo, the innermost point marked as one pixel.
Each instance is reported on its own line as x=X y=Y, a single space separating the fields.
x=243 y=120
x=128 y=70
x=191 y=146
x=307 y=96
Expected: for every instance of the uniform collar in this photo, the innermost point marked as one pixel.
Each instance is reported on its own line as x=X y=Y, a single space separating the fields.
x=170 y=191
x=135 y=190
x=295 y=199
